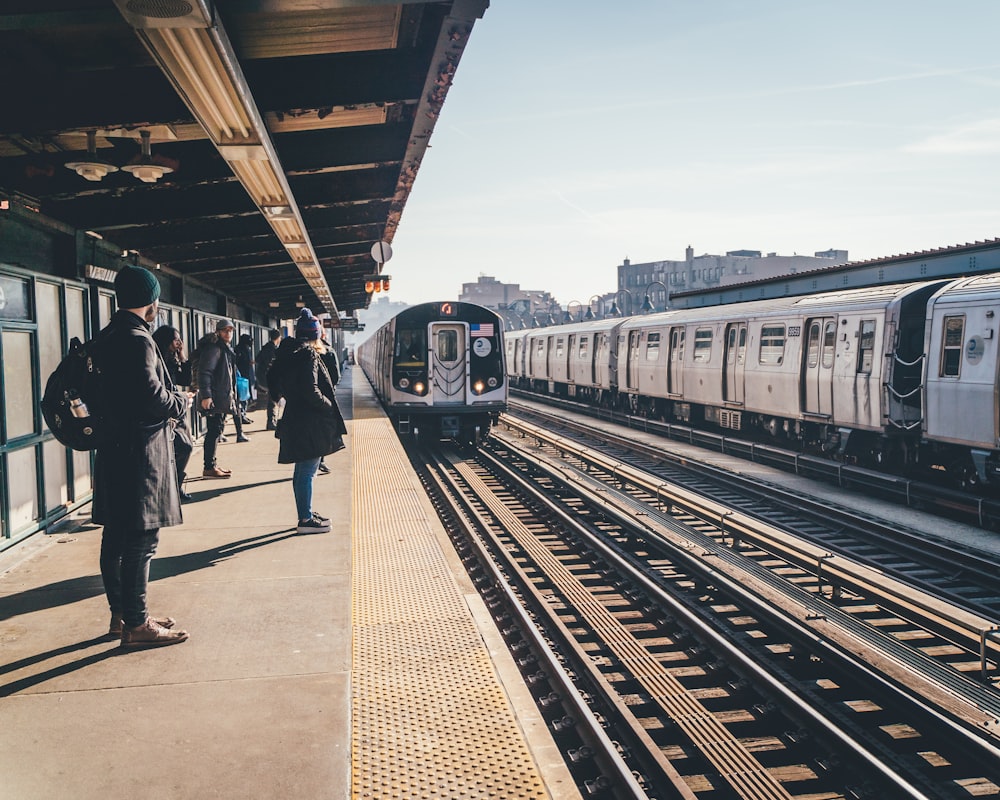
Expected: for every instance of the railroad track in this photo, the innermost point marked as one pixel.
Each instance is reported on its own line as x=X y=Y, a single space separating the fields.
x=945 y=501
x=710 y=686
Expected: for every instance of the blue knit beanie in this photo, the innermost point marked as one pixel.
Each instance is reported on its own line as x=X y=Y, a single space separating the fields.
x=307 y=326
x=136 y=287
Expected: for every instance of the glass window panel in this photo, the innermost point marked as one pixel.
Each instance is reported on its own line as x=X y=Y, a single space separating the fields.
x=829 y=344
x=447 y=345
x=76 y=324
x=19 y=396
x=56 y=477
x=50 y=349
x=22 y=488
x=867 y=348
x=105 y=308
x=15 y=294
x=82 y=480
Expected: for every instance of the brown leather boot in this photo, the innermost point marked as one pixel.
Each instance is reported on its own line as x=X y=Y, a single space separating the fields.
x=115 y=628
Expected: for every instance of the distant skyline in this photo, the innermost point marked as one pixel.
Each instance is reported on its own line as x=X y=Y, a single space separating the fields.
x=578 y=135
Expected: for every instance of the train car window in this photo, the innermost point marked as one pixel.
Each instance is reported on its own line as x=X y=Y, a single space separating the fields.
x=653 y=347
x=742 y=356
x=447 y=345
x=951 y=355
x=703 y=344
x=541 y=346
x=584 y=346
x=866 y=347
x=829 y=343
x=772 y=344
x=411 y=347
x=812 y=347
x=559 y=347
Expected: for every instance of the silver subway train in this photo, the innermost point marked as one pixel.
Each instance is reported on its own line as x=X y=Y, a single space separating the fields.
x=901 y=377
x=439 y=370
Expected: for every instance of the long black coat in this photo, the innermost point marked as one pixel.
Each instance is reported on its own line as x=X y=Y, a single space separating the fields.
x=311 y=424
x=216 y=375
x=135 y=478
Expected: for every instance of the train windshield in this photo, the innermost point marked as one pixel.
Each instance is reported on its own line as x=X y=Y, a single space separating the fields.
x=411 y=347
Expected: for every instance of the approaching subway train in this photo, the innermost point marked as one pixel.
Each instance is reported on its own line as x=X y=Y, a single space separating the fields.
x=904 y=377
x=439 y=370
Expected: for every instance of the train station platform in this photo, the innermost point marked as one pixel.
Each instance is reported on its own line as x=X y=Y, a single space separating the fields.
x=358 y=663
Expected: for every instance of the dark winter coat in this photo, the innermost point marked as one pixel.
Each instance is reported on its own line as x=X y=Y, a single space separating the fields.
x=135 y=478
x=264 y=359
x=244 y=358
x=311 y=425
x=216 y=375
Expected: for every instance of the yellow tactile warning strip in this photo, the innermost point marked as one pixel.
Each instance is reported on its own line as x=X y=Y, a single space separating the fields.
x=429 y=716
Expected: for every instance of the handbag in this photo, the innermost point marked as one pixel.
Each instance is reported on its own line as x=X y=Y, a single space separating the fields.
x=242 y=388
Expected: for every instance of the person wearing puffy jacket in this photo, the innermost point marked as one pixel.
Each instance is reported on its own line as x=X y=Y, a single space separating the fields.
x=311 y=425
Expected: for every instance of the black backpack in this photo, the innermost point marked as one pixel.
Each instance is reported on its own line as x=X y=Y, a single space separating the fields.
x=71 y=404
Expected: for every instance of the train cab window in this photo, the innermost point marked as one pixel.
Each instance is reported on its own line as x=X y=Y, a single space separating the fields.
x=951 y=351
x=447 y=345
x=653 y=347
x=866 y=347
x=772 y=344
x=584 y=347
x=703 y=344
x=411 y=348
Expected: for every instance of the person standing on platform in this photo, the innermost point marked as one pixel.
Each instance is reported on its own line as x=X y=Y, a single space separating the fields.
x=333 y=367
x=311 y=425
x=216 y=392
x=245 y=364
x=135 y=477
x=168 y=340
x=264 y=359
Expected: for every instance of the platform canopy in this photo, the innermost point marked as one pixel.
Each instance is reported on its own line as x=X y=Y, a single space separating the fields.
x=259 y=146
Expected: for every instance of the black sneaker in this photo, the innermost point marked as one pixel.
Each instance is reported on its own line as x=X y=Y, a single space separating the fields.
x=323 y=468
x=313 y=526
x=320 y=517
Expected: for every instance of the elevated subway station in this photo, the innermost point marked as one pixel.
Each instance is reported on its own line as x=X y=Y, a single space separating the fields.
x=250 y=153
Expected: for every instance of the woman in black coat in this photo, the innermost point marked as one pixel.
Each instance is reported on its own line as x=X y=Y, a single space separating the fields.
x=168 y=340
x=311 y=425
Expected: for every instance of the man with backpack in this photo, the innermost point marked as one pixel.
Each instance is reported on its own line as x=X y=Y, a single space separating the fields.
x=135 y=484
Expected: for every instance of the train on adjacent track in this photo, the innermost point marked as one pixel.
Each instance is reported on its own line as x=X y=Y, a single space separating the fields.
x=439 y=371
x=900 y=377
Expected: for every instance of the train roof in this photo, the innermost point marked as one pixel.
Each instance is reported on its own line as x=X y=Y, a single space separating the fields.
x=963 y=290
x=871 y=297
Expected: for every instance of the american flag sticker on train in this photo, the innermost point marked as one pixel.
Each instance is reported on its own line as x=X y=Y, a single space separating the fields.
x=481 y=329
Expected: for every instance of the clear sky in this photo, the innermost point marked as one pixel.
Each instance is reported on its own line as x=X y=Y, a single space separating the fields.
x=579 y=133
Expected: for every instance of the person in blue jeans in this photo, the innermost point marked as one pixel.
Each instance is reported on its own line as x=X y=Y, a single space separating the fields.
x=311 y=425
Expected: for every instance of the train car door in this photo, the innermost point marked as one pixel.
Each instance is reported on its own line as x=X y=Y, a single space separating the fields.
x=632 y=363
x=817 y=378
x=675 y=361
x=735 y=358
x=448 y=367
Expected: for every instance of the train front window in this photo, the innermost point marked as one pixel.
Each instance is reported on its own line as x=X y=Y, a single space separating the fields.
x=411 y=347
x=447 y=345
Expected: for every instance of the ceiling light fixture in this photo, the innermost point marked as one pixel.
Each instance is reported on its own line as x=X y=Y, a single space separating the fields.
x=94 y=168
x=144 y=166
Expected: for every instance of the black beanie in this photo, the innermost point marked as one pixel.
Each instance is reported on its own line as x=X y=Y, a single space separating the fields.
x=136 y=287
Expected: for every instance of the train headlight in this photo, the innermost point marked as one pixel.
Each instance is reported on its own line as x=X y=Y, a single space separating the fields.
x=477 y=387
x=404 y=383
x=492 y=383
x=418 y=387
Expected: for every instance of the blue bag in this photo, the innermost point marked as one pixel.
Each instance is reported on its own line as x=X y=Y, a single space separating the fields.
x=242 y=388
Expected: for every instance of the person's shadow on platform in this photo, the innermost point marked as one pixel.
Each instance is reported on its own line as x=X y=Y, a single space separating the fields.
x=83 y=587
